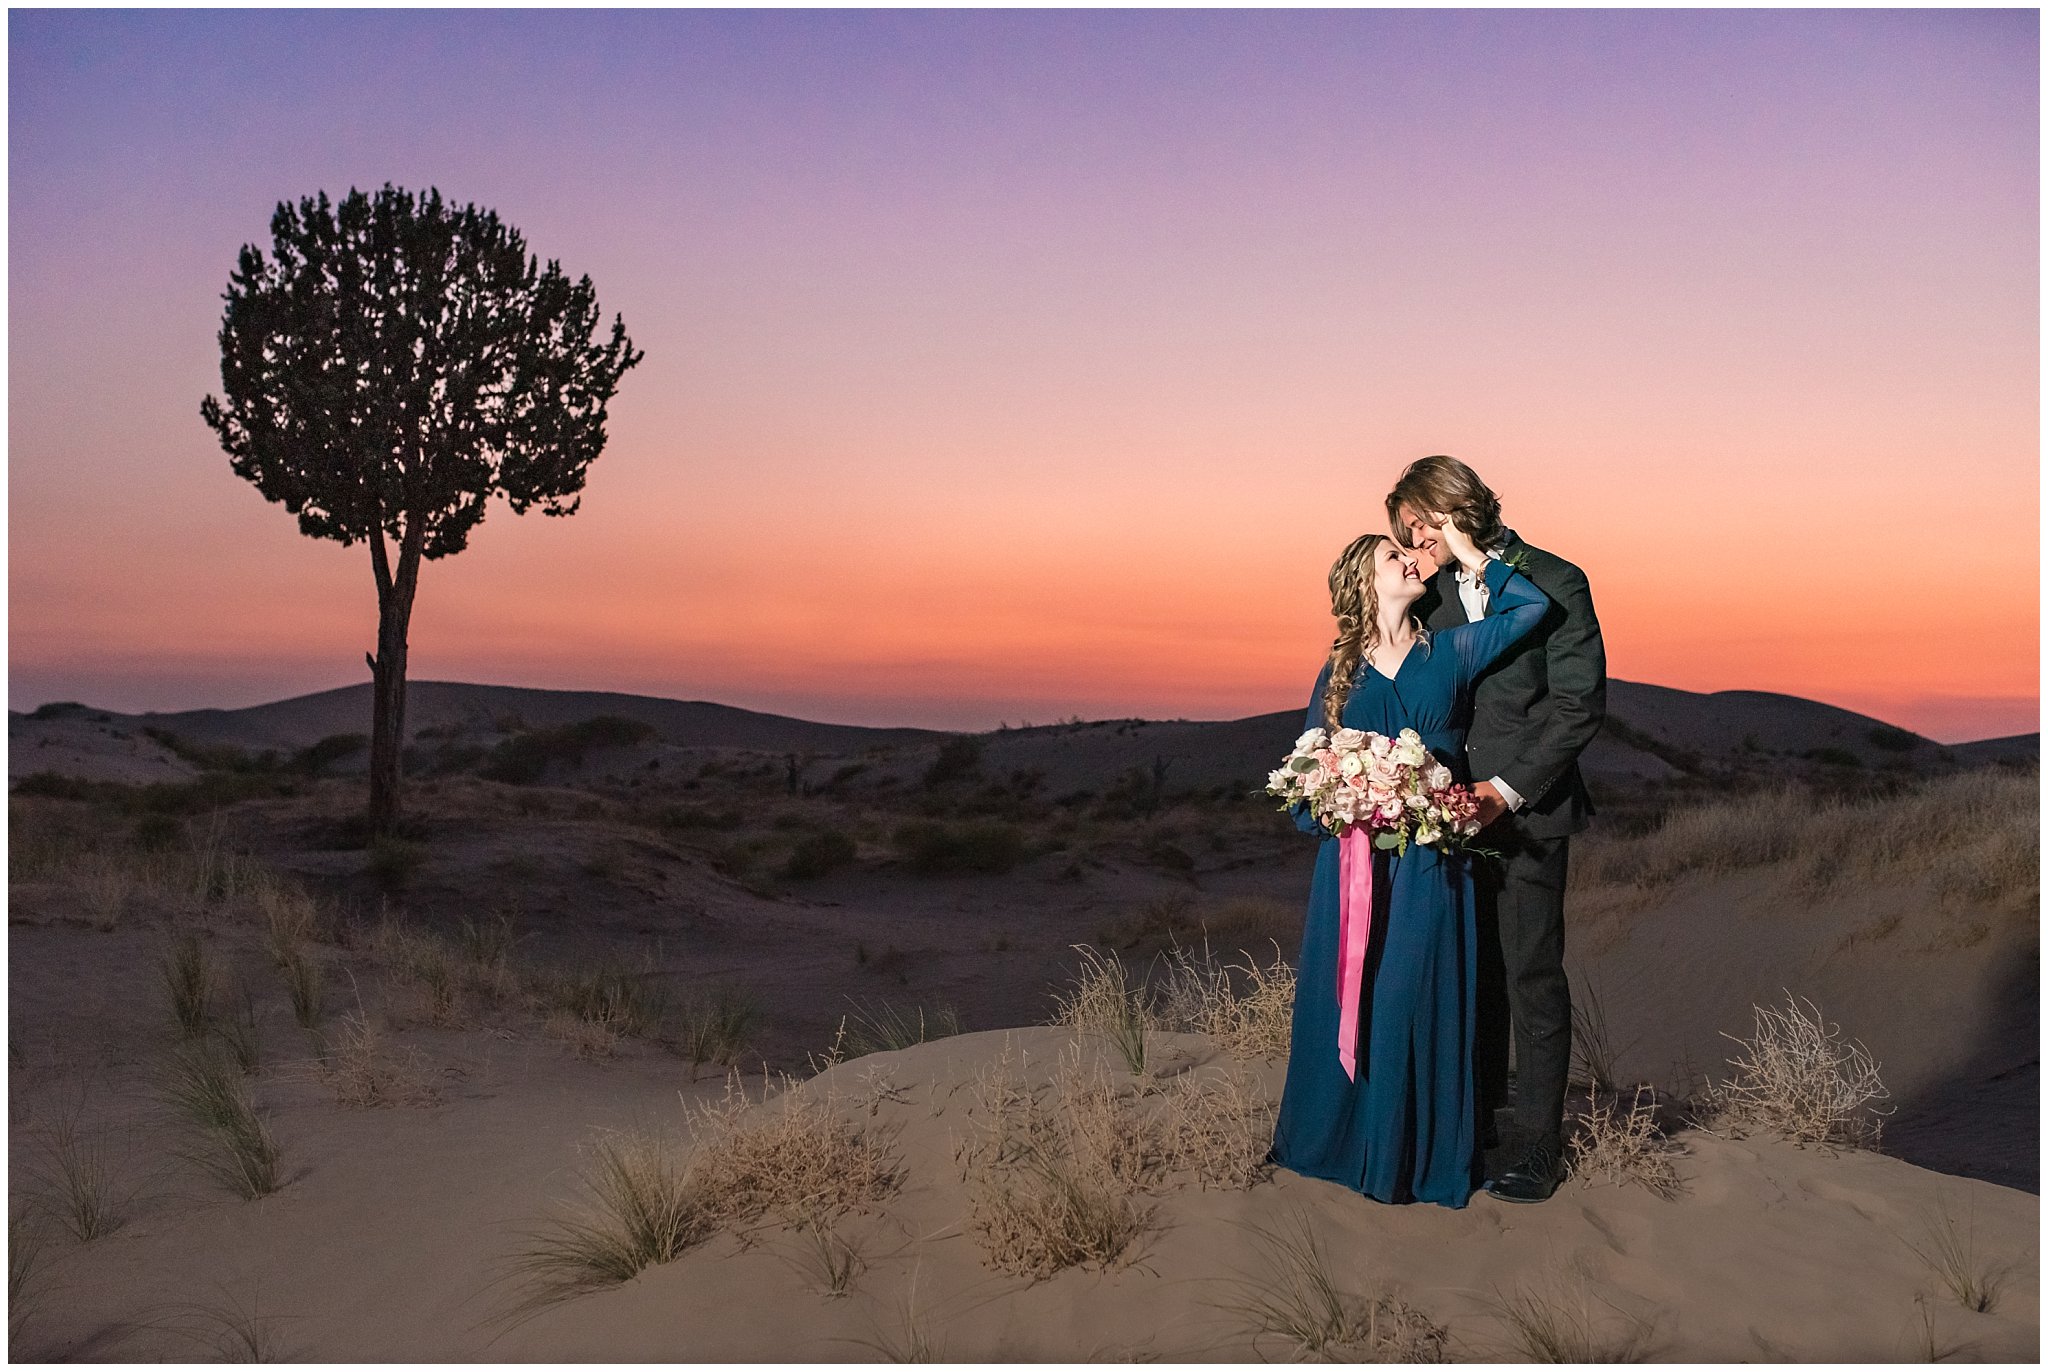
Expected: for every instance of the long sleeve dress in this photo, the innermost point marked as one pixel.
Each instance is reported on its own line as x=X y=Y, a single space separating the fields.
x=1405 y=1129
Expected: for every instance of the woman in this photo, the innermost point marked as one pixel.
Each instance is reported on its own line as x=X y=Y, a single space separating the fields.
x=1404 y=1128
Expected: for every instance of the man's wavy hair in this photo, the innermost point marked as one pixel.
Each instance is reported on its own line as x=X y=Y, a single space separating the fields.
x=1445 y=486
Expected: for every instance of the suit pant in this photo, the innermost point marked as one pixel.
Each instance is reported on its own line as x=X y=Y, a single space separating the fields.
x=1519 y=899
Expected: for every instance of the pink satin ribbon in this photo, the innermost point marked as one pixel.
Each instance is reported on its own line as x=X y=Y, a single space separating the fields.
x=1354 y=931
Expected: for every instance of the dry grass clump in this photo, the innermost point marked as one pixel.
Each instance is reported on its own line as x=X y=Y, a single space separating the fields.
x=1975 y=835
x=639 y=1210
x=365 y=1071
x=1102 y=1001
x=1952 y=1254
x=1298 y=1301
x=26 y=1244
x=794 y=1154
x=1625 y=1147
x=1557 y=1321
x=188 y=982
x=647 y=1198
x=76 y=1177
x=1797 y=1077
x=1056 y=1170
x=214 y=1096
x=1052 y=1183
x=105 y=882
x=582 y=1037
x=289 y=915
x=887 y=1027
x=1197 y=994
x=715 y=1027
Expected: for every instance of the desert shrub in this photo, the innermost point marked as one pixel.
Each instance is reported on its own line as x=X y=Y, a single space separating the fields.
x=1246 y=1007
x=1797 y=1077
x=785 y=1152
x=525 y=757
x=931 y=847
x=1053 y=1184
x=318 y=757
x=817 y=854
x=1625 y=1147
x=957 y=758
x=1296 y=1300
x=368 y=1072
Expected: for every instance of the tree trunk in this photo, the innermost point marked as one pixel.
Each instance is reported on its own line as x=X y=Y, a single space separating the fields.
x=387 y=675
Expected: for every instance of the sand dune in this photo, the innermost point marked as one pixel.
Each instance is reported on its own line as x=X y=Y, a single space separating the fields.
x=389 y=1244
x=392 y=1233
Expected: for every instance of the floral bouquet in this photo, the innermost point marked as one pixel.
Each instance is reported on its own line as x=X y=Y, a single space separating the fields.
x=1390 y=786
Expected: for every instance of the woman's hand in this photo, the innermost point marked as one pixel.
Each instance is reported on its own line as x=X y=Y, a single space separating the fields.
x=1459 y=544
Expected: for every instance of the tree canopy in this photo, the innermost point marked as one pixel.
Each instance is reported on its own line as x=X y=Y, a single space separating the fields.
x=396 y=360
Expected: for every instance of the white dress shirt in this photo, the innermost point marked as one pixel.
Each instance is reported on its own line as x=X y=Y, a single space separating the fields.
x=1472 y=594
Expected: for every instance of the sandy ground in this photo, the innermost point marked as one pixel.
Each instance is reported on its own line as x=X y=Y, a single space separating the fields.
x=392 y=1235
x=389 y=1242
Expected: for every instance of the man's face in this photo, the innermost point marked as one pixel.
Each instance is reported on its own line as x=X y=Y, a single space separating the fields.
x=1423 y=539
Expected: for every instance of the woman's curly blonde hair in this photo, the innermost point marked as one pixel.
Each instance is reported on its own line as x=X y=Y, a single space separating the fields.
x=1355 y=601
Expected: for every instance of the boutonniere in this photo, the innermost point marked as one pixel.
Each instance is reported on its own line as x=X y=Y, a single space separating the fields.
x=1516 y=560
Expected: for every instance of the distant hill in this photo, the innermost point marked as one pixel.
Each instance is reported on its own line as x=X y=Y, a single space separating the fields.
x=1652 y=733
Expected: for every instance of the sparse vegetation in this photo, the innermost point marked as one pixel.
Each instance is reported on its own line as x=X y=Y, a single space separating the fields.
x=188 y=984
x=817 y=855
x=1625 y=1147
x=886 y=1027
x=1974 y=835
x=1796 y=1076
x=367 y=1072
x=524 y=758
x=213 y=1096
x=76 y=1177
x=1951 y=1252
x=1556 y=1321
x=647 y=1200
x=1101 y=1001
x=715 y=1027
x=1297 y=1301
x=1197 y=994
x=933 y=848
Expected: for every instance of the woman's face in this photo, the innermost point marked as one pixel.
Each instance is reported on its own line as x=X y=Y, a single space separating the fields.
x=1397 y=577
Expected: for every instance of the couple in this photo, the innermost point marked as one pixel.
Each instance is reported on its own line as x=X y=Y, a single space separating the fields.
x=1506 y=685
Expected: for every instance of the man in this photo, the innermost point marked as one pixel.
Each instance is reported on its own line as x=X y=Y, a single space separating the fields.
x=1533 y=713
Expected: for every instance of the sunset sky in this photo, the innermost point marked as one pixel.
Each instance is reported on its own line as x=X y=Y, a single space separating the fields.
x=1018 y=365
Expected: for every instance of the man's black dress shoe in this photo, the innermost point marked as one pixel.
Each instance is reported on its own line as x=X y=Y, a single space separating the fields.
x=1534 y=1178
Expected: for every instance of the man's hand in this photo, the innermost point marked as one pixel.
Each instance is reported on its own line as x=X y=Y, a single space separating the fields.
x=1491 y=804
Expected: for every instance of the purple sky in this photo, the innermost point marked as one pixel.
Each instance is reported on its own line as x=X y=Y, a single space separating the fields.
x=1020 y=364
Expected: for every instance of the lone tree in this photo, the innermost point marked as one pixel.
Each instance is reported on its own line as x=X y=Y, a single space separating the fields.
x=395 y=364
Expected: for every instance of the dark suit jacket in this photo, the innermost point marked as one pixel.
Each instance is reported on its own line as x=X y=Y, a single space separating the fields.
x=1535 y=710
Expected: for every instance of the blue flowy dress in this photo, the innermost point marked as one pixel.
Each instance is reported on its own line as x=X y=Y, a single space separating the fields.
x=1405 y=1129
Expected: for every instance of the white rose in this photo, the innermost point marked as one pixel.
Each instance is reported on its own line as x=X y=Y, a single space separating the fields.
x=1351 y=765
x=1314 y=738
x=1427 y=833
